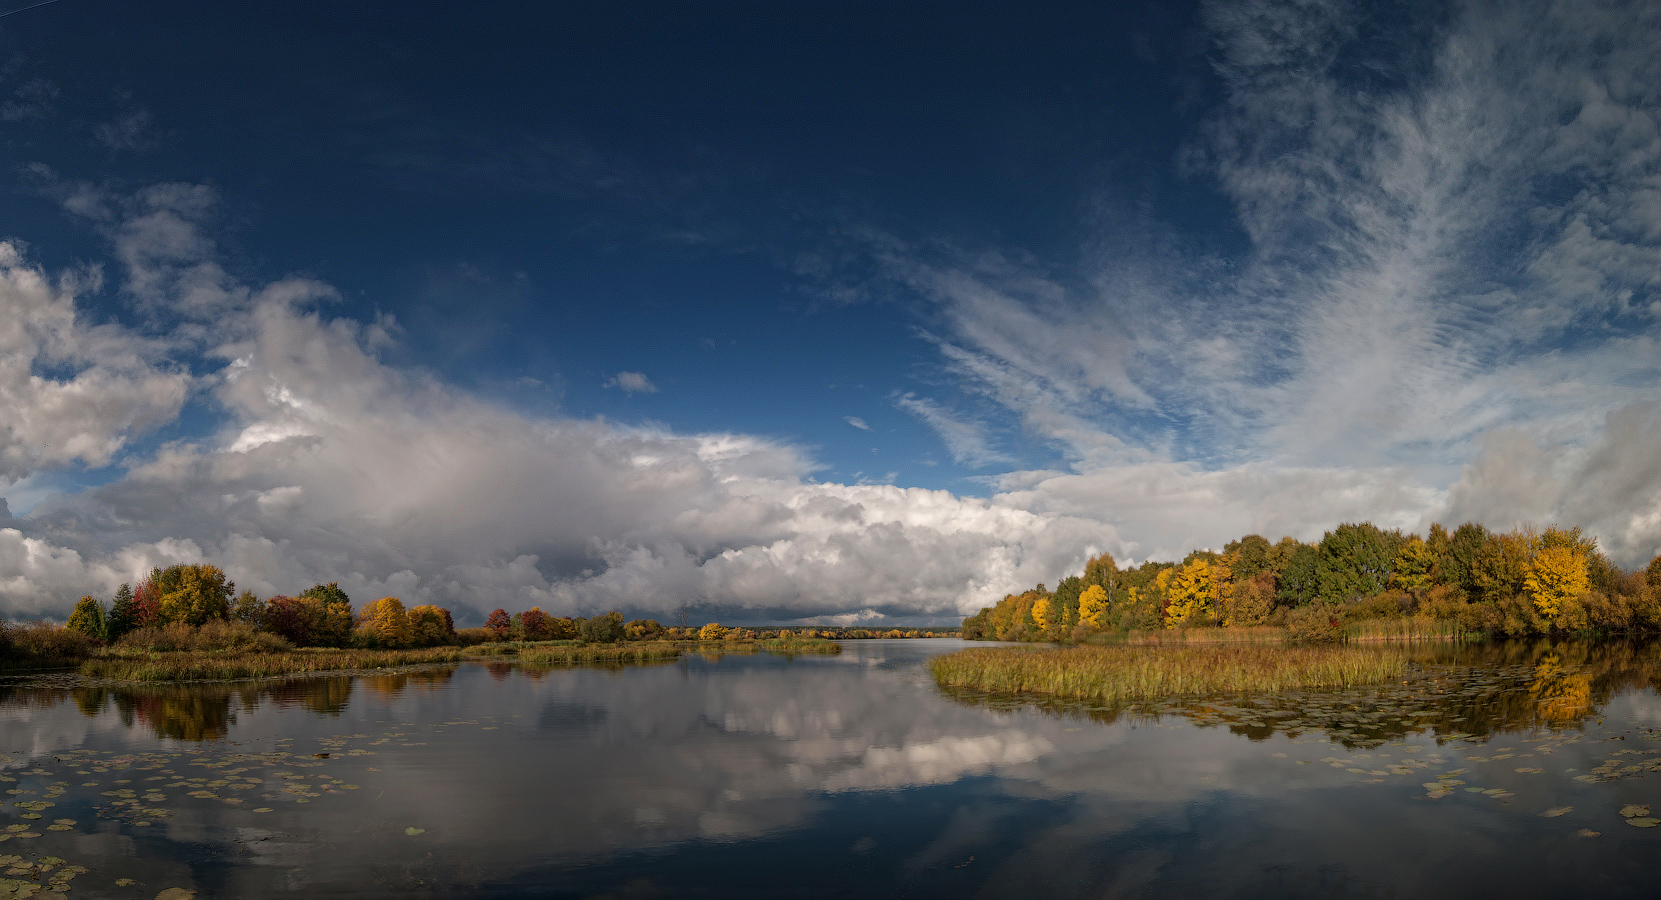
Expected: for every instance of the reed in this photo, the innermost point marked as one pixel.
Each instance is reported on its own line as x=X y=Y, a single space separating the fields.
x=1410 y=628
x=1117 y=674
x=800 y=645
x=197 y=666
x=1253 y=634
x=580 y=653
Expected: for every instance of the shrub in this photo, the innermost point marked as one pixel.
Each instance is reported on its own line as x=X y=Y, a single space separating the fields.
x=1314 y=623
x=216 y=636
x=41 y=643
x=606 y=629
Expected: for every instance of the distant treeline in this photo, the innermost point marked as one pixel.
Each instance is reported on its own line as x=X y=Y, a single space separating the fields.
x=191 y=596
x=1519 y=582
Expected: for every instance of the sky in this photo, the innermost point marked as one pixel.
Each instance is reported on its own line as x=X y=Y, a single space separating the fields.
x=811 y=313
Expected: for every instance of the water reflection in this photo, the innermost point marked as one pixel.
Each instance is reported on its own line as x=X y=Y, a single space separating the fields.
x=840 y=776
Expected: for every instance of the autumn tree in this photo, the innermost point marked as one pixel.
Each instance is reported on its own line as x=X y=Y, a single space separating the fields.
x=1252 y=600
x=430 y=626
x=88 y=618
x=1415 y=566
x=500 y=622
x=711 y=632
x=193 y=594
x=642 y=629
x=249 y=608
x=535 y=625
x=1189 y=594
x=1092 y=607
x=384 y=623
x=147 y=604
x=606 y=629
x=1556 y=576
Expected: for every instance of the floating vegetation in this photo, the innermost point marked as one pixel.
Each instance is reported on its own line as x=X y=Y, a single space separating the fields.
x=800 y=645
x=581 y=653
x=1116 y=674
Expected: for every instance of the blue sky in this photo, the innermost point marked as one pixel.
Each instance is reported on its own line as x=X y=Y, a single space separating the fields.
x=863 y=312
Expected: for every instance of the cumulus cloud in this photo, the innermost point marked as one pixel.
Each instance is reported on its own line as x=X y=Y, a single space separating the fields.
x=332 y=466
x=632 y=383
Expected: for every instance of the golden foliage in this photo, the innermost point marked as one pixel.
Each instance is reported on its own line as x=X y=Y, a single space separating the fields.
x=1415 y=565
x=1189 y=594
x=712 y=632
x=1555 y=575
x=1041 y=612
x=1092 y=606
x=385 y=622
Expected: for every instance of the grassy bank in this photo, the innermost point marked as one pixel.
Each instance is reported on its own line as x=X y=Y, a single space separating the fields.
x=1164 y=637
x=197 y=666
x=1410 y=628
x=1115 y=674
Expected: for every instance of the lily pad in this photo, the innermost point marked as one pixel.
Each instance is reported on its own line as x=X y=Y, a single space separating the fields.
x=176 y=894
x=414 y=831
x=1643 y=822
x=1633 y=810
x=1556 y=811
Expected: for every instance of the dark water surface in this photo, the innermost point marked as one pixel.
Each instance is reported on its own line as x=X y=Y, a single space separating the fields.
x=845 y=776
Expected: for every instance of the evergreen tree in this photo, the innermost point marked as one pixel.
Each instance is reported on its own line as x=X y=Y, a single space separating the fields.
x=123 y=615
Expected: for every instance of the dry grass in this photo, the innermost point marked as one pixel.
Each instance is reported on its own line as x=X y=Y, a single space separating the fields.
x=1115 y=674
x=1411 y=628
x=199 y=666
x=210 y=637
x=41 y=645
x=1256 y=634
x=800 y=645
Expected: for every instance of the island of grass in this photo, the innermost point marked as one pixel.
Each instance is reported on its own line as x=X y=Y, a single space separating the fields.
x=1116 y=674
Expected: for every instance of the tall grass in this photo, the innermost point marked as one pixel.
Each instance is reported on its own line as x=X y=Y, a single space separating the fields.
x=1410 y=628
x=800 y=645
x=199 y=666
x=1115 y=674
x=580 y=653
x=1254 y=634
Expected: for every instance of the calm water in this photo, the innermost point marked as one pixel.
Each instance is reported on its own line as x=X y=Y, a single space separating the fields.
x=846 y=776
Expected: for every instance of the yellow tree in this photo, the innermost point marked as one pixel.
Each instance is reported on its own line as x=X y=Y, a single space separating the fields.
x=1556 y=574
x=712 y=632
x=195 y=594
x=1414 y=564
x=1041 y=612
x=1190 y=594
x=385 y=622
x=1092 y=606
x=428 y=626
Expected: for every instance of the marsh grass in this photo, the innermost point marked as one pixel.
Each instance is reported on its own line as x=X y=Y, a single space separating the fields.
x=800 y=645
x=130 y=665
x=41 y=645
x=1115 y=674
x=1410 y=628
x=1165 y=637
x=546 y=655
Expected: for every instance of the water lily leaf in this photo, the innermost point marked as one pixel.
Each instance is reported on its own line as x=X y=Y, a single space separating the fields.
x=1556 y=811
x=1643 y=822
x=1632 y=810
x=414 y=831
x=176 y=894
x=263 y=809
x=125 y=882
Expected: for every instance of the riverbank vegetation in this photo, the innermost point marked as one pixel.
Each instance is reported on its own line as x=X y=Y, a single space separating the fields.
x=1359 y=582
x=1118 y=674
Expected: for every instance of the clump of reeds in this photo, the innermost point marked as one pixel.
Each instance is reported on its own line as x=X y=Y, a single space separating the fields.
x=1238 y=634
x=800 y=645
x=1115 y=674
x=579 y=653
x=1408 y=628
x=198 y=666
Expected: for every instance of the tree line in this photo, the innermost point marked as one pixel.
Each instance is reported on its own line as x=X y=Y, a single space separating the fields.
x=1519 y=582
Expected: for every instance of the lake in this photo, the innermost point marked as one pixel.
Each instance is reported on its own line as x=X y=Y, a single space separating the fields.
x=1514 y=769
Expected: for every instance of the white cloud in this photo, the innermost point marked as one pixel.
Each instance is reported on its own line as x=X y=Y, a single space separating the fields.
x=857 y=422
x=966 y=440
x=632 y=383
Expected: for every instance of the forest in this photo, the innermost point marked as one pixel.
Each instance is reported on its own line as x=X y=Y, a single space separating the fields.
x=1521 y=582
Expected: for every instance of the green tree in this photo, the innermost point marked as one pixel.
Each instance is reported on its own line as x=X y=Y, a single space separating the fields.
x=123 y=615
x=606 y=629
x=1300 y=581
x=1248 y=556
x=1458 y=563
x=88 y=618
x=1415 y=566
x=249 y=608
x=1357 y=560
